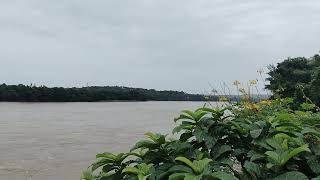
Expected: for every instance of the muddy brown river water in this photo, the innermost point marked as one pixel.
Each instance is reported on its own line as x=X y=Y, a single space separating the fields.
x=50 y=141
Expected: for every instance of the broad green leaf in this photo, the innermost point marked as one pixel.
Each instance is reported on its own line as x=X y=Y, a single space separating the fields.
x=107 y=168
x=157 y=138
x=294 y=175
x=182 y=127
x=255 y=133
x=223 y=176
x=253 y=169
x=187 y=162
x=175 y=169
x=254 y=156
x=114 y=176
x=144 y=144
x=190 y=113
x=294 y=152
x=222 y=149
x=275 y=142
x=184 y=117
x=280 y=126
x=270 y=165
x=121 y=156
x=274 y=156
x=315 y=149
x=196 y=166
x=142 y=177
x=185 y=136
x=226 y=161
x=106 y=155
x=87 y=175
x=284 y=117
x=200 y=134
x=314 y=165
x=240 y=129
x=145 y=168
x=192 y=177
x=201 y=164
x=177 y=129
x=199 y=115
x=180 y=168
x=131 y=170
x=142 y=170
x=100 y=162
x=312 y=131
x=177 y=176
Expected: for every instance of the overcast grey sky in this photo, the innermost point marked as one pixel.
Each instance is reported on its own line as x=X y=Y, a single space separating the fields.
x=161 y=44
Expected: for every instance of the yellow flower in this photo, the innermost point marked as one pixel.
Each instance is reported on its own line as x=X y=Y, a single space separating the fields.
x=253 y=82
x=266 y=102
x=252 y=106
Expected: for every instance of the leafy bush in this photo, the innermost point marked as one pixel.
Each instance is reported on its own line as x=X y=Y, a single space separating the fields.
x=298 y=78
x=266 y=140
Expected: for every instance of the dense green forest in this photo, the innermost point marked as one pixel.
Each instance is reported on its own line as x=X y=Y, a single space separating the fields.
x=23 y=93
x=298 y=78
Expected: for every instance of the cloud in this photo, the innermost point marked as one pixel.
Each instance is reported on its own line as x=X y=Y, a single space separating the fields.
x=182 y=44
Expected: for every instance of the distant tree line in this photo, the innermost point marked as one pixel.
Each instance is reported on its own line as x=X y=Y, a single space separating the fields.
x=298 y=78
x=31 y=93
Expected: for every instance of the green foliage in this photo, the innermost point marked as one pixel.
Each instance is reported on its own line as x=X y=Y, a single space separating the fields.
x=298 y=78
x=245 y=141
x=142 y=171
x=22 y=93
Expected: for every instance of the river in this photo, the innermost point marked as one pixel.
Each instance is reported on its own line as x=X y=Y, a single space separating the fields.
x=50 y=141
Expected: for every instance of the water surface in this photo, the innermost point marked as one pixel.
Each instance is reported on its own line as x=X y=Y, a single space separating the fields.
x=58 y=140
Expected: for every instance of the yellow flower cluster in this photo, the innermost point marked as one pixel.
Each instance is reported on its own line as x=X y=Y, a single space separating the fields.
x=266 y=102
x=252 y=106
x=253 y=82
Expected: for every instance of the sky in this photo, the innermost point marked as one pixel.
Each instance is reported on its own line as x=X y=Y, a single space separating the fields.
x=188 y=45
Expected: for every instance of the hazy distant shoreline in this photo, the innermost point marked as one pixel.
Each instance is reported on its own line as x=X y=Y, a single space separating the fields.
x=32 y=93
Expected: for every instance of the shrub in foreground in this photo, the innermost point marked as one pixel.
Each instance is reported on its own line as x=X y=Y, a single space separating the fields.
x=245 y=141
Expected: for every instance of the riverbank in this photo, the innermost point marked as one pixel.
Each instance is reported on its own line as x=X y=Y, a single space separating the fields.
x=32 y=93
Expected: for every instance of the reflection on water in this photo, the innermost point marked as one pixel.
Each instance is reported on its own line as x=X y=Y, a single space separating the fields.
x=58 y=140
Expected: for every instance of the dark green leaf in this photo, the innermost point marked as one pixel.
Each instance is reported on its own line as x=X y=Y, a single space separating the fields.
x=314 y=164
x=223 y=176
x=255 y=133
x=253 y=169
x=294 y=175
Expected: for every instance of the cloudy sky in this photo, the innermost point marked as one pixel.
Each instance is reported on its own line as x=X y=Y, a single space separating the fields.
x=162 y=44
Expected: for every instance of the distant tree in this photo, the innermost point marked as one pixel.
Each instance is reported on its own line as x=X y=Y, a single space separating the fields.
x=33 y=93
x=296 y=77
